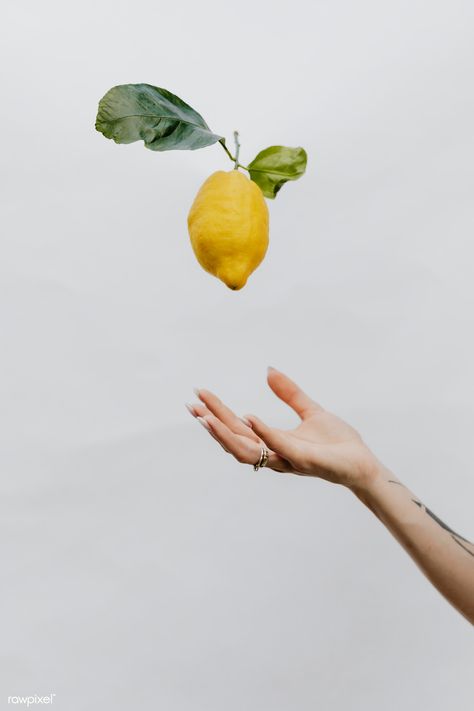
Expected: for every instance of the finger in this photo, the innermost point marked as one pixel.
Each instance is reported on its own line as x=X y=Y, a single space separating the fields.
x=198 y=409
x=224 y=413
x=276 y=440
x=291 y=393
x=206 y=426
x=278 y=464
x=245 y=455
x=245 y=450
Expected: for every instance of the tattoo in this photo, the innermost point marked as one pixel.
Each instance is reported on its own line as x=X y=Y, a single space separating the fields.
x=438 y=520
x=455 y=536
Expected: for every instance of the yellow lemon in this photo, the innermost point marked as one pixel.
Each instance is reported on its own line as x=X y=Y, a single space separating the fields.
x=228 y=226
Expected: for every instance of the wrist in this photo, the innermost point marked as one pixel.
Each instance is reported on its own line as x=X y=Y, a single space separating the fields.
x=373 y=473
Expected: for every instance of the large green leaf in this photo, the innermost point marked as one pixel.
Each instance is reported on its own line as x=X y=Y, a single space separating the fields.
x=134 y=112
x=274 y=166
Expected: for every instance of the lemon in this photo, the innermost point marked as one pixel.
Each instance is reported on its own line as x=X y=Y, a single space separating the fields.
x=228 y=227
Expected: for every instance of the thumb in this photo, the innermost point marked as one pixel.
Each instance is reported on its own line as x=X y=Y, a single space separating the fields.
x=291 y=393
x=274 y=439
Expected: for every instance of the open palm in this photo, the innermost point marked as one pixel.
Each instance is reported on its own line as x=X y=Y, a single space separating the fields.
x=321 y=445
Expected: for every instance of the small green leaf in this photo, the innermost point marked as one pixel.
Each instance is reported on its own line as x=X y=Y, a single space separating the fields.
x=274 y=166
x=134 y=112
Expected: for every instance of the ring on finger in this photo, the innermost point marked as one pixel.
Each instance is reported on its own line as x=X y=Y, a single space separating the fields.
x=263 y=459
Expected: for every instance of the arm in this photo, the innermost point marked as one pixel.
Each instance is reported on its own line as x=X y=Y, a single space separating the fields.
x=445 y=557
x=324 y=446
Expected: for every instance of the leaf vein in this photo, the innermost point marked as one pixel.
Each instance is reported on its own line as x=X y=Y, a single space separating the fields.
x=272 y=172
x=157 y=116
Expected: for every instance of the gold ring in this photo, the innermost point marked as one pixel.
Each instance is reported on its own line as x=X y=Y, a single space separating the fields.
x=263 y=459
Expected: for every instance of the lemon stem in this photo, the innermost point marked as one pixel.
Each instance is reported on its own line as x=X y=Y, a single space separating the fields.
x=227 y=150
x=237 y=150
x=234 y=159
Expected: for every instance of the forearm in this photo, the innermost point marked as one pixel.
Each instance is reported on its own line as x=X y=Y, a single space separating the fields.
x=444 y=556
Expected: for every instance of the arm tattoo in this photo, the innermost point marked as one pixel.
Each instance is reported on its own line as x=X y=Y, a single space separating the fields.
x=455 y=536
x=438 y=520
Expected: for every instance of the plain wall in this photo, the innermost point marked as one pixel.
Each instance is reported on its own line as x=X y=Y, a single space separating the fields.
x=141 y=566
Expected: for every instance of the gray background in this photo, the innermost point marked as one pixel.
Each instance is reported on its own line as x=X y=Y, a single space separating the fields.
x=141 y=567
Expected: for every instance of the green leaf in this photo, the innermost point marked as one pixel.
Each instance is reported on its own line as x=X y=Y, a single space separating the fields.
x=134 y=112
x=274 y=166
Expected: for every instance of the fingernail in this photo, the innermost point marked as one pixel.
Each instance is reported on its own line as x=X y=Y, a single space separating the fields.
x=190 y=408
x=270 y=367
x=196 y=391
x=203 y=422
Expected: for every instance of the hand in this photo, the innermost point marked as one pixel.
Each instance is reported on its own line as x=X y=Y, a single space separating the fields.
x=322 y=445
